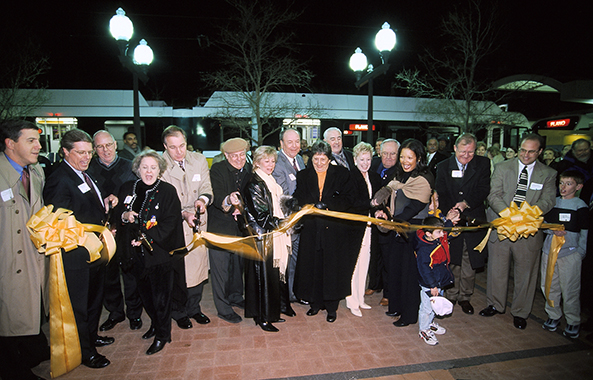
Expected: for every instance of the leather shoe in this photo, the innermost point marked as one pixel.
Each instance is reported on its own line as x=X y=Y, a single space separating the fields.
x=96 y=361
x=279 y=320
x=303 y=302
x=519 y=323
x=267 y=326
x=288 y=311
x=156 y=346
x=150 y=333
x=466 y=307
x=400 y=323
x=184 y=323
x=103 y=341
x=312 y=312
x=394 y=314
x=384 y=302
x=368 y=292
x=331 y=318
x=231 y=318
x=135 y=324
x=489 y=311
x=201 y=318
x=109 y=324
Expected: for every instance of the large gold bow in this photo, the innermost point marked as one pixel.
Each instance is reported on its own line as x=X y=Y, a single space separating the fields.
x=51 y=232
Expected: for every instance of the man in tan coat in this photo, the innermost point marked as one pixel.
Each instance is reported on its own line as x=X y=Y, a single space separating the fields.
x=188 y=172
x=23 y=276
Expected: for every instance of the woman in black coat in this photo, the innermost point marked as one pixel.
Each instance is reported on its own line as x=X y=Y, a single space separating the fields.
x=151 y=228
x=266 y=290
x=327 y=250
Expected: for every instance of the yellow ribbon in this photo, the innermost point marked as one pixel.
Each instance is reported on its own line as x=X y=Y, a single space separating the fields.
x=51 y=232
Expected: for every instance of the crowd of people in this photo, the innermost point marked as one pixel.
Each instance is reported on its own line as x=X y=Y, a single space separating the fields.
x=154 y=203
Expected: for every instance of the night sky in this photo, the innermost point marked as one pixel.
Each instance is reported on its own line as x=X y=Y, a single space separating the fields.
x=548 y=38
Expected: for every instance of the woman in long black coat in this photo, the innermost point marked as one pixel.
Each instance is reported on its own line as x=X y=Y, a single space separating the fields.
x=327 y=251
x=150 y=209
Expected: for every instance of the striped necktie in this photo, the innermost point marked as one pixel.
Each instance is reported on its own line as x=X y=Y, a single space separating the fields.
x=26 y=179
x=521 y=191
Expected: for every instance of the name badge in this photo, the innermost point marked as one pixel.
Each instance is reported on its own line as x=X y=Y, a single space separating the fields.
x=456 y=174
x=196 y=178
x=291 y=177
x=7 y=195
x=564 y=217
x=128 y=200
x=83 y=187
x=536 y=186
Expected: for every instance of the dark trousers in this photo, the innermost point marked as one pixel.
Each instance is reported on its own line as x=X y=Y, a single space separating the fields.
x=18 y=354
x=192 y=306
x=226 y=273
x=292 y=262
x=114 y=299
x=376 y=265
x=85 y=286
x=155 y=285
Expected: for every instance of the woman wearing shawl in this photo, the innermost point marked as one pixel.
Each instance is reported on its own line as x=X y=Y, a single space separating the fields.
x=266 y=291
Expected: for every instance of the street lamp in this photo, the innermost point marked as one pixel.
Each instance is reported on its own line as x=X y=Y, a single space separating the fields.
x=122 y=29
x=385 y=42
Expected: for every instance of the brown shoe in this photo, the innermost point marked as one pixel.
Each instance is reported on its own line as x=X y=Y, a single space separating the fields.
x=368 y=292
x=384 y=302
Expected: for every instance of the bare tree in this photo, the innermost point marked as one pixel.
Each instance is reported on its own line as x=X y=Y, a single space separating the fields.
x=20 y=90
x=256 y=55
x=470 y=34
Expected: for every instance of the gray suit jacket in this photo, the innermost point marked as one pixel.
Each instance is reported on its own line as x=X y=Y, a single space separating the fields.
x=285 y=174
x=541 y=190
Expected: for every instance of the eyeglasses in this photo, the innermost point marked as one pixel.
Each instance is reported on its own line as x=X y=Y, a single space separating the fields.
x=83 y=152
x=388 y=154
x=105 y=146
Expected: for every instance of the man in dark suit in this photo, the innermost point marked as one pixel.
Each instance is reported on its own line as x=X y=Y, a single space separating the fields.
x=463 y=183
x=516 y=180
x=70 y=187
x=342 y=157
x=288 y=164
x=433 y=156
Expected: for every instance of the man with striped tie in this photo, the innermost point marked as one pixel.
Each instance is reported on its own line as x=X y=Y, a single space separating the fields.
x=521 y=179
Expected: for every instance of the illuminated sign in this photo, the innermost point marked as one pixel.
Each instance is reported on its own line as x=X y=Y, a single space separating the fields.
x=359 y=127
x=558 y=123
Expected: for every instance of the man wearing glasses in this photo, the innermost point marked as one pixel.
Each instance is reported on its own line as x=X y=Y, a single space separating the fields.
x=72 y=188
x=110 y=172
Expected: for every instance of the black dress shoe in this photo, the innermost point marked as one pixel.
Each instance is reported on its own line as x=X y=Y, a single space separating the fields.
x=400 y=323
x=279 y=320
x=466 y=307
x=231 y=318
x=303 y=302
x=109 y=324
x=312 y=312
x=489 y=311
x=288 y=311
x=156 y=346
x=135 y=324
x=267 y=326
x=201 y=318
x=103 y=341
x=519 y=323
x=331 y=318
x=96 y=361
x=394 y=314
x=150 y=333
x=184 y=323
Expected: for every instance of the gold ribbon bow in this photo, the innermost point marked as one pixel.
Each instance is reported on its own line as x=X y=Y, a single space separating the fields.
x=51 y=232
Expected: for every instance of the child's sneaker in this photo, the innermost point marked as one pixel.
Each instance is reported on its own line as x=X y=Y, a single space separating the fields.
x=572 y=331
x=551 y=324
x=428 y=337
x=436 y=329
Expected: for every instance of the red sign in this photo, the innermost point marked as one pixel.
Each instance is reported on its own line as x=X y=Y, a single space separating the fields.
x=360 y=127
x=558 y=123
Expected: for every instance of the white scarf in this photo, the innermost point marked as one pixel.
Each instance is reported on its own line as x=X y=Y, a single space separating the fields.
x=281 y=241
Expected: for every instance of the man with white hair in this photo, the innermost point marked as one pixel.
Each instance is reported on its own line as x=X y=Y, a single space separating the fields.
x=342 y=157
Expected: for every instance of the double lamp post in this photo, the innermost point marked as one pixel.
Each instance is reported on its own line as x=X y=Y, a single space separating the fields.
x=122 y=29
x=385 y=42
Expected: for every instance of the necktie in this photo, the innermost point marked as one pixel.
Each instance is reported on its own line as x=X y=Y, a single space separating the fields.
x=521 y=191
x=181 y=165
x=89 y=182
x=25 y=178
x=294 y=165
x=341 y=161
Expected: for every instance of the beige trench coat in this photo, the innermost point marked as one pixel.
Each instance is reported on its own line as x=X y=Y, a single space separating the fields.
x=23 y=271
x=192 y=184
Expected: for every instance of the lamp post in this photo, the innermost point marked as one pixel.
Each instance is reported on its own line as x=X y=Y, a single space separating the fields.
x=122 y=29
x=385 y=42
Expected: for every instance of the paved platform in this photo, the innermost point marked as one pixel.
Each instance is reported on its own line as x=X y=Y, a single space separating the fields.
x=370 y=347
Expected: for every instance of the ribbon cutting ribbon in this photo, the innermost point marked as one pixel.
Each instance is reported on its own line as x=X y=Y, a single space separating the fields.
x=51 y=232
